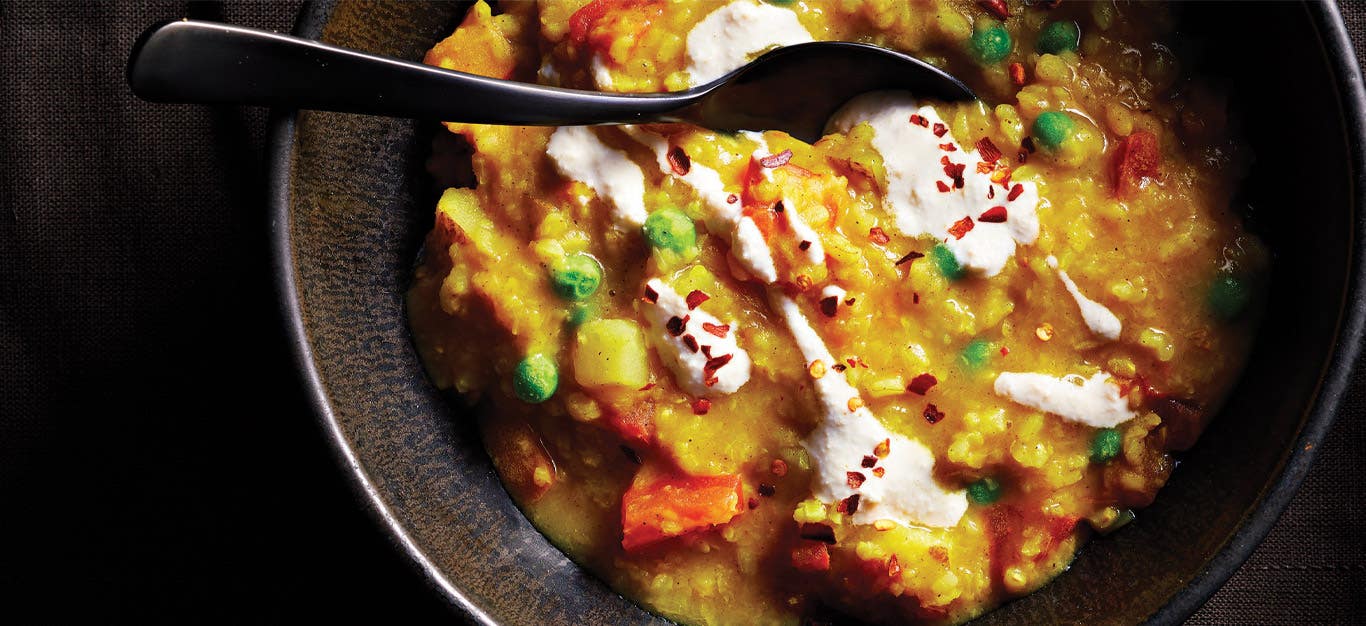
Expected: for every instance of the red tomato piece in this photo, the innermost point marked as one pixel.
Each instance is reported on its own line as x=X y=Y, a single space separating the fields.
x=635 y=422
x=1138 y=157
x=811 y=556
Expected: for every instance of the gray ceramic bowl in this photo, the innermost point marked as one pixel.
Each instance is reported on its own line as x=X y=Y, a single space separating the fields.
x=351 y=204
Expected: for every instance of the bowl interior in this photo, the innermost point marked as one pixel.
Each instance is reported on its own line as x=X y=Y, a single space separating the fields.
x=359 y=202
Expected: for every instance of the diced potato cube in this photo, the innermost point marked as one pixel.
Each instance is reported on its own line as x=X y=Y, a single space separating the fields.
x=610 y=353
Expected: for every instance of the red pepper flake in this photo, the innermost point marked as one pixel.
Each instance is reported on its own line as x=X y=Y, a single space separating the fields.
x=933 y=414
x=919 y=120
x=991 y=192
x=848 y=506
x=711 y=381
x=716 y=363
x=997 y=8
x=732 y=199
x=753 y=504
x=706 y=351
x=943 y=188
x=1005 y=351
x=817 y=532
x=893 y=567
x=651 y=295
x=883 y=449
x=869 y=460
x=778 y=467
x=766 y=490
x=915 y=298
x=776 y=160
x=922 y=383
x=910 y=256
x=940 y=129
x=839 y=367
x=955 y=171
x=691 y=342
x=695 y=298
x=679 y=161
x=676 y=325
x=948 y=147
x=648 y=386
x=855 y=479
x=878 y=236
x=804 y=245
x=994 y=215
x=961 y=227
x=719 y=330
x=879 y=471
x=1017 y=74
x=848 y=302
x=984 y=168
x=988 y=150
x=830 y=305
x=944 y=160
x=700 y=406
x=630 y=453
x=1015 y=192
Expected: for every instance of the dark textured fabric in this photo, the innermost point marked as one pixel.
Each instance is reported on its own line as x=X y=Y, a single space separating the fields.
x=157 y=458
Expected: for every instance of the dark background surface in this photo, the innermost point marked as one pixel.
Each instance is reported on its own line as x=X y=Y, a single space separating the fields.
x=158 y=461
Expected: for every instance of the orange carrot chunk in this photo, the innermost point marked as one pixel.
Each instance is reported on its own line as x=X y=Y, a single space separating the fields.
x=659 y=507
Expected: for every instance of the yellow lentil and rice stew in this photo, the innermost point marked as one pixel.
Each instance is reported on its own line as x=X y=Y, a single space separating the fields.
x=899 y=374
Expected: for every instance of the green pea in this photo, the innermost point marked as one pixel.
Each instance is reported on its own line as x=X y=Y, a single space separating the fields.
x=535 y=379
x=984 y=491
x=581 y=312
x=1228 y=296
x=946 y=262
x=670 y=229
x=1051 y=128
x=1058 y=37
x=1106 y=445
x=975 y=354
x=990 y=42
x=576 y=276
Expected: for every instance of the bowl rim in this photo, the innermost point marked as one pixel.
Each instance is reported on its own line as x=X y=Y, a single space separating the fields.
x=1334 y=376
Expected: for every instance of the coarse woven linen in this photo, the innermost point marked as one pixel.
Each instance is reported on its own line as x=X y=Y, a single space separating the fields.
x=157 y=456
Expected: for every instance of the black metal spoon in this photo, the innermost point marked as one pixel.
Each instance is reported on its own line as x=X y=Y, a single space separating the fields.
x=795 y=88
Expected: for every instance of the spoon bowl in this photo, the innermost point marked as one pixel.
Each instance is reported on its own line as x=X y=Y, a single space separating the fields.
x=794 y=88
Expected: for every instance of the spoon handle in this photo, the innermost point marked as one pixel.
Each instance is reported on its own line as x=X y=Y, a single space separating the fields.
x=196 y=62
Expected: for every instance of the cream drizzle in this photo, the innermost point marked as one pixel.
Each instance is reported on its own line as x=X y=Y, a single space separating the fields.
x=912 y=157
x=907 y=493
x=1094 y=401
x=580 y=155
x=686 y=352
x=1099 y=319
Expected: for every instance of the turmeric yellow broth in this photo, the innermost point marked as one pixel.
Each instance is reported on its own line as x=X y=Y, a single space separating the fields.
x=898 y=374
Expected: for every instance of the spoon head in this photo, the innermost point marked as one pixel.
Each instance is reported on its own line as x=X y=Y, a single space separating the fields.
x=797 y=88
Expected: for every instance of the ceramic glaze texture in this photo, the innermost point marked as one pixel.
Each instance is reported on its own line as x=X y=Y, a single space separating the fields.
x=354 y=178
